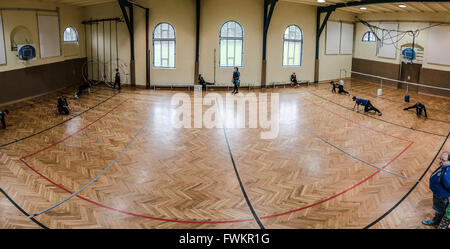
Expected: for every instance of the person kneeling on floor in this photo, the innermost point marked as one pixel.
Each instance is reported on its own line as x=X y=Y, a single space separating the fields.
x=419 y=108
x=3 y=115
x=367 y=105
x=63 y=105
x=440 y=186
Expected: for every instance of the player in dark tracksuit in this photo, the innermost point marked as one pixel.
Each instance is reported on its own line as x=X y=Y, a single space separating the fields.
x=294 y=79
x=419 y=108
x=367 y=105
x=338 y=86
x=81 y=88
x=117 y=80
x=63 y=106
x=3 y=115
x=202 y=82
x=236 y=81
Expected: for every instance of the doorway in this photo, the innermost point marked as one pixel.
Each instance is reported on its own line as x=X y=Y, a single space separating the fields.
x=410 y=72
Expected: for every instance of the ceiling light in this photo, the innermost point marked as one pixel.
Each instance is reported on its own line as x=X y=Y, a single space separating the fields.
x=321 y=1
x=362 y=8
x=402 y=6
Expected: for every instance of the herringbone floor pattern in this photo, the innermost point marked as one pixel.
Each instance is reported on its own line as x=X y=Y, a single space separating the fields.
x=184 y=178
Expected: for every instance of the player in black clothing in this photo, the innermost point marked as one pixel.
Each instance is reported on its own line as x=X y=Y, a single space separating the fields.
x=117 y=80
x=236 y=81
x=202 y=82
x=81 y=88
x=294 y=79
x=3 y=115
x=63 y=106
x=419 y=108
x=338 y=86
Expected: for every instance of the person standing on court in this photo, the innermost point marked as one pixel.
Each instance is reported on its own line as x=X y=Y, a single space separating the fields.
x=3 y=115
x=236 y=80
x=117 y=80
x=440 y=186
x=367 y=105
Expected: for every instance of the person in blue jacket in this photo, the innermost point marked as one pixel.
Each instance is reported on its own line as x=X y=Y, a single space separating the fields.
x=236 y=81
x=440 y=186
x=367 y=105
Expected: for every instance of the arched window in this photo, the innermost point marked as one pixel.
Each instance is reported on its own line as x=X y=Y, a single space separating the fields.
x=292 y=46
x=70 y=34
x=231 y=42
x=369 y=37
x=164 y=50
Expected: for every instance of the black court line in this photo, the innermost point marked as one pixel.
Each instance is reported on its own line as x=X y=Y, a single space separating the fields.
x=237 y=174
x=431 y=133
x=58 y=124
x=409 y=192
x=21 y=210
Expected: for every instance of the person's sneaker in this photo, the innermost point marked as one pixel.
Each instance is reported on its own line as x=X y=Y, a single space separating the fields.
x=76 y=96
x=348 y=94
x=429 y=222
x=379 y=114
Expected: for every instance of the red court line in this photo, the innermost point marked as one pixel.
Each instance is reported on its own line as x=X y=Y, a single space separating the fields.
x=216 y=222
x=357 y=123
x=190 y=221
x=343 y=192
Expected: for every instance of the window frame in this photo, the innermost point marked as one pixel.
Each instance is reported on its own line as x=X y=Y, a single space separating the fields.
x=370 y=34
x=295 y=41
x=174 y=40
x=236 y=38
x=76 y=34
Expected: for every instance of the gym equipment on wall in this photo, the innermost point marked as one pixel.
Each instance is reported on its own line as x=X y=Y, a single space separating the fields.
x=92 y=70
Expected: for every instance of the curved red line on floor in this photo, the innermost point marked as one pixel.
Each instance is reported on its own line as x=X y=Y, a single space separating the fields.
x=216 y=222
x=203 y=222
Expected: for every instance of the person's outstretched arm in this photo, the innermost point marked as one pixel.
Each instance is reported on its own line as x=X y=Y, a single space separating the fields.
x=411 y=107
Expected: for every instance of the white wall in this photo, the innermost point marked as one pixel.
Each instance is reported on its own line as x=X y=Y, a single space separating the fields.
x=367 y=50
x=214 y=13
x=11 y=19
x=330 y=65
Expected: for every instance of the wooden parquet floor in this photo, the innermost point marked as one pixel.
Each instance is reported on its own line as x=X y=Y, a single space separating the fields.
x=329 y=167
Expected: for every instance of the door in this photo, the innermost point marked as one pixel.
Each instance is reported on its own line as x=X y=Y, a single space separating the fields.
x=410 y=73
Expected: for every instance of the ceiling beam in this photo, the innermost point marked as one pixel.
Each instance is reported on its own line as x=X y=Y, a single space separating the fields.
x=414 y=7
x=370 y=2
x=443 y=7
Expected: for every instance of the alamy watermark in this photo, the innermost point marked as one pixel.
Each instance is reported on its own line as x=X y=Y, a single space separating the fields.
x=232 y=111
